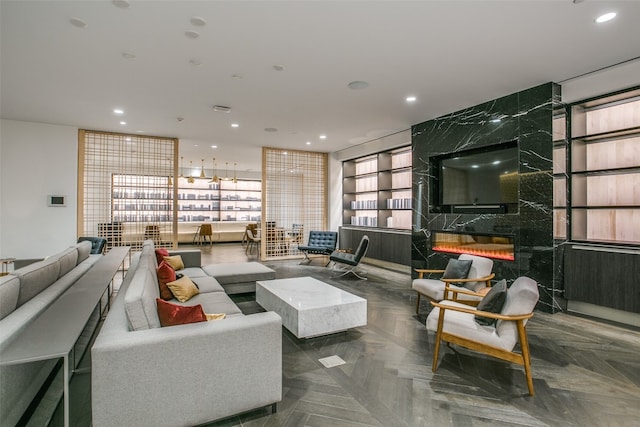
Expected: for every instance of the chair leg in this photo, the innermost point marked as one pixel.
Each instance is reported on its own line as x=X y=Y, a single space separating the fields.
x=526 y=356
x=346 y=271
x=436 y=351
x=418 y=303
x=306 y=259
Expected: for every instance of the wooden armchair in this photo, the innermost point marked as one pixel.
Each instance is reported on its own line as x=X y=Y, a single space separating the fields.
x=477 y=280
x=456 y=323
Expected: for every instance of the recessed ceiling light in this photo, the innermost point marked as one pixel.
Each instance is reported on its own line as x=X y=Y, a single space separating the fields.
x=118 y=111
x=606 y=17
x=198 y=21
x=358 y=85
x=123 y=123
x=128 y=55
x=411 y=99
x=323 y=136
x=77 y=22
x=192 y=34
x=308 y=143
x=270 y=129
x=123 y=4
x=235 y=125
x=195 y=145
x=214 y=146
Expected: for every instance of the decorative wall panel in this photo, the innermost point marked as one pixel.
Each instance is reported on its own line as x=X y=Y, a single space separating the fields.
x=527 y=117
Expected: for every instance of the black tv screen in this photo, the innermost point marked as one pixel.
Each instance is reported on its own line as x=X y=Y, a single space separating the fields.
x=480 y=180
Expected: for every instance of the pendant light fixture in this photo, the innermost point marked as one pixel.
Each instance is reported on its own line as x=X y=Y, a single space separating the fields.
x=169 y=181
x=215 y=175
x=202 y=175
x=181 y=166
x=235 y=180
x=191 y=179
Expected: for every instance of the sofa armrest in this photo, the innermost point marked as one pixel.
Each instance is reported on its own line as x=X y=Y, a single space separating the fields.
x=208 y=370
x=190 y=257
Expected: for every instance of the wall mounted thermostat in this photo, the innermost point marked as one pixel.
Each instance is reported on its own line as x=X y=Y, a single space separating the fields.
x=56 y=201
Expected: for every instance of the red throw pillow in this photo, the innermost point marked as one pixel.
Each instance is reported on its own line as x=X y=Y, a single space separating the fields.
x=160 y=254
x=166 y=274
x=172 y=314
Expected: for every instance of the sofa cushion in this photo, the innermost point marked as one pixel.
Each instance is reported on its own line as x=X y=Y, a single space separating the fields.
x=84 y=250
x=207 y=284
x=36 y=277
x=9 y=290
x=183 y=289
x=172 y=314
x=193 y=272
x=165 y=274
x=214 y=302
x=68 y=260
x=175 y=262
x=140 y=300
x=239 y=272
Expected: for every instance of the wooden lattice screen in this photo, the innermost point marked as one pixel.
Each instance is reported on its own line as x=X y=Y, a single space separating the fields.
x=126 y=188
x=294 y=200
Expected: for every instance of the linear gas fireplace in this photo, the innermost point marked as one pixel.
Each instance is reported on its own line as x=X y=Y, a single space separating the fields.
x=497 y=246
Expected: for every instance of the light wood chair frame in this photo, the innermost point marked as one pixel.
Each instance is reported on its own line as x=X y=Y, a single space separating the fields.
x=523 y=359
x=422 y=271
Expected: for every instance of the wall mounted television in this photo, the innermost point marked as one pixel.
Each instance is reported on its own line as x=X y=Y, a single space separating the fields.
x=481 y=180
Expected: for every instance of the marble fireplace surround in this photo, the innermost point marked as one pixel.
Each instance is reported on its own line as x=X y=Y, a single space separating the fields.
x=526 y=117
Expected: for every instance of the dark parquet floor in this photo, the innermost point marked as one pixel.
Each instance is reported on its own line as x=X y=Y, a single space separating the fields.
x=586 y=372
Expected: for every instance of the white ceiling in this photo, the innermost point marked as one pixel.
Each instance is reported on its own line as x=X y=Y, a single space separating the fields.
x=449 y=54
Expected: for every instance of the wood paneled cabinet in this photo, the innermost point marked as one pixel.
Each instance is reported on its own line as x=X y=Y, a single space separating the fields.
x=605 y=169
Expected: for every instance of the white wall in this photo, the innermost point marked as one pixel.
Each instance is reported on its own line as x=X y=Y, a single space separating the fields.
x=37 y=160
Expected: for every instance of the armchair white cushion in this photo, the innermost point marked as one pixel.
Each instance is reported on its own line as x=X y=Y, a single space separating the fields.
x=434 y=288
x=458 y=326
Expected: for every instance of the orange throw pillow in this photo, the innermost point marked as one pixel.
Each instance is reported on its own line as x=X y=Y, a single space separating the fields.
x=166 y=274
x=172 y=314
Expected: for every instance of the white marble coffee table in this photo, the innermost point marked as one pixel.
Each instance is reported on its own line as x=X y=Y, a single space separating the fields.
x=309 y=307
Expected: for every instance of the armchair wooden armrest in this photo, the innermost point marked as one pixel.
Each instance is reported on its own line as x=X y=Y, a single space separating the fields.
x=486 y=279
x=512 y=317
x=421 y=272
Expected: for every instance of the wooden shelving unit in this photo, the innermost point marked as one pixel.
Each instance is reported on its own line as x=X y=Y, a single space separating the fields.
x=377 y=190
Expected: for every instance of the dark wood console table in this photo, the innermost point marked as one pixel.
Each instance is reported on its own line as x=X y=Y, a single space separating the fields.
x=54 y=333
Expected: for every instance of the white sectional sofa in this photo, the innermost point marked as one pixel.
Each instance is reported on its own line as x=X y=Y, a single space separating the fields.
x=24 y=295
x=183 y=375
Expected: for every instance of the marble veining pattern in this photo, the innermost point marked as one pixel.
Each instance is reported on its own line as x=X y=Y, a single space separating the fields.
x=310 y=307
